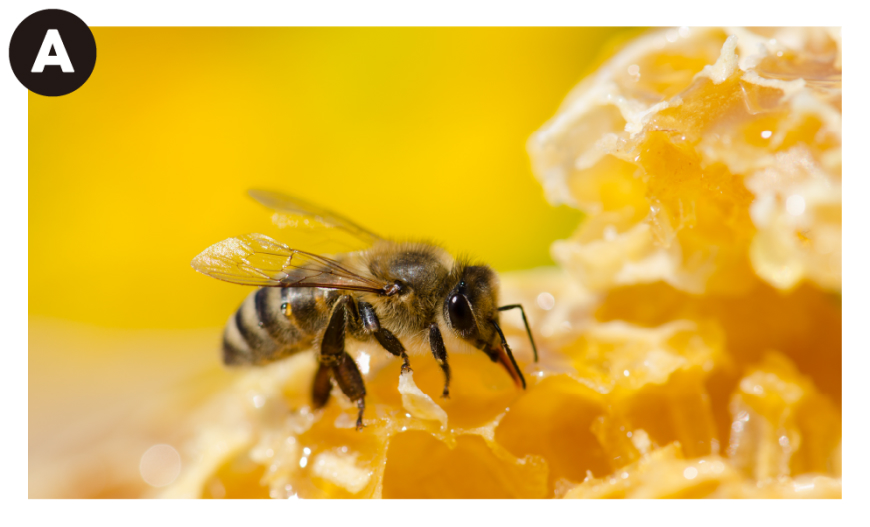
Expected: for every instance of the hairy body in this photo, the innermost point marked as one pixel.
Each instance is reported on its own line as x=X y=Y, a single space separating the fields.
x=392 y=292
x=273 y=323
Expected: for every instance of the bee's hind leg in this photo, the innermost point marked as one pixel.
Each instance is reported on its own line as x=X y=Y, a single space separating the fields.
x=335 y=360
x=350 y=381
x=385 y=338
x=322 y=385
x=440 y=353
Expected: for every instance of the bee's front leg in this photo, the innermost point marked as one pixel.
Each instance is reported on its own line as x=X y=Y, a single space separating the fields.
x=440 y=353
x=385 y=338
x=335 y=360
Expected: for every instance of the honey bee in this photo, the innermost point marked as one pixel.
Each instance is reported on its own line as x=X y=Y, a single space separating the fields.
x=389 y=291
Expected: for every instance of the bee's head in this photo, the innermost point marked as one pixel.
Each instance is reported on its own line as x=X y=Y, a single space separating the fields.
x=471 y=305
x=471 y=313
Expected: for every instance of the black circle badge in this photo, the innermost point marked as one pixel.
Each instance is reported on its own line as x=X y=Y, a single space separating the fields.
x=52 y=52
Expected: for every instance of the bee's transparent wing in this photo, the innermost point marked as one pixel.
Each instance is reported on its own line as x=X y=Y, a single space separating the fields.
x=315 y=227
x=256 y=259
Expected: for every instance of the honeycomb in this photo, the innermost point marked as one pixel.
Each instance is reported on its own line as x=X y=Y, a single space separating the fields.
x=690 y=339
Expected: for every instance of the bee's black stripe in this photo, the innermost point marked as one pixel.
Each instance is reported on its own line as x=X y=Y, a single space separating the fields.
x=269 y=305
x=264 y=314
x=236 y=350
x=252 y=339
x=233 y=355
x=260 y=331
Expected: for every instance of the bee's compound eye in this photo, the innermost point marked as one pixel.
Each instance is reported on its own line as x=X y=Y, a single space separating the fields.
x=459 y=309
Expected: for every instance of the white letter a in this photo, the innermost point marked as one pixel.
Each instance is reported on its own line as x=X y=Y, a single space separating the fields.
x=43 y=59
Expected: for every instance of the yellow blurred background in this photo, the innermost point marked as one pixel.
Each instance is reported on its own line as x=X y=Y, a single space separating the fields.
x=413 y=132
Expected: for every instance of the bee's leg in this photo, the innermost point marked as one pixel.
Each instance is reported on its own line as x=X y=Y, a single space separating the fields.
x=390 y=343
x=333 y=356
x=350 y=381
x=386 y=339
x=322 y=385
x=440 y=353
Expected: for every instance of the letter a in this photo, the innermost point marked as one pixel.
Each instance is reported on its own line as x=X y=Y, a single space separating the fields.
x=60 y=58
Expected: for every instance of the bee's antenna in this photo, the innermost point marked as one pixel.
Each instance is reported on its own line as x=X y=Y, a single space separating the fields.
x=526 y=322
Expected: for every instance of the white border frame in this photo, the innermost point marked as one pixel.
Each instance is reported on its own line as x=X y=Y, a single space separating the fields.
x=14 y=207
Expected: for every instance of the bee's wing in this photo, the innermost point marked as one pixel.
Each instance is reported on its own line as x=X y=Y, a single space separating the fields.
x=256 y=259
x=318 y=223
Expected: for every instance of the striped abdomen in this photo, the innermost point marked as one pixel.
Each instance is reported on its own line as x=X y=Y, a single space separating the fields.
x=273 y=323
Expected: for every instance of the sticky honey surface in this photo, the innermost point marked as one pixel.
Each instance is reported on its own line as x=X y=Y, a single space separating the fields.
x=690 y=341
